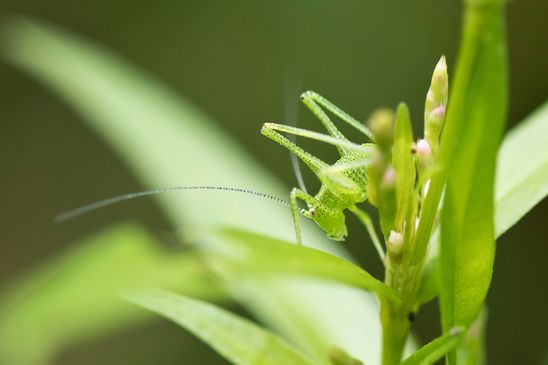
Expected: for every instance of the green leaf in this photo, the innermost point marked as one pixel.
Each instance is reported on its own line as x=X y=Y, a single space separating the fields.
x=522 y=182
x=75 y=297
x=435 y=350
x=257 y=254
x=238 y=340
x=404 y=164
x=472 y=349
x=166 y=141
x=429 y=286
x=340 y=357
x=475 y=120
x=522 y=171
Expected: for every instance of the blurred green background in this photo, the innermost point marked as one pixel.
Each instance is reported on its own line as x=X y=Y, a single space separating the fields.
x=240 y=61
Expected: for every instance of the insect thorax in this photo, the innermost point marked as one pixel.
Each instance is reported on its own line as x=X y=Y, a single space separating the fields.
x=336 y=199
x=358 y=174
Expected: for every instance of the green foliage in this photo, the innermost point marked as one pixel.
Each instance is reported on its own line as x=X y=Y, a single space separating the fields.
x=238 y=340
x=404 y=165
x=521 y=183
x=435 y=350
x=256 y=254
x=76 y=296
x=340 y=357
x=475 y=120
x=522 y=171
x=472 y=350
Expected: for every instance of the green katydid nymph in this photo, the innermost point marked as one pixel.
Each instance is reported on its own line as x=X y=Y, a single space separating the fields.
x=343 y=183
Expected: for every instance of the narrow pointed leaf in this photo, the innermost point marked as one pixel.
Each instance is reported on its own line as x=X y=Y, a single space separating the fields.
x=435 y=350
x=475 y=120
x=403 y=164
x=472 y=348
x=522 y=171
x=340 y=357
x=429 y=287
x=238 y=340
x=521 y=183
x=258 y=254
x=75 y=297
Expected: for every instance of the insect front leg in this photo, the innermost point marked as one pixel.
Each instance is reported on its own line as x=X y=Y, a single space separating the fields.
x=315 y=101
x=315 y=164
x=295 y=209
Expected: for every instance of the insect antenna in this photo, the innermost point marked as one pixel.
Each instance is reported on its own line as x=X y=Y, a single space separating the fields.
x=291 y=112
x=119 y=198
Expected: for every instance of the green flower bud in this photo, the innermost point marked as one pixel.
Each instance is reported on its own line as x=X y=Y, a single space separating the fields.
x=387 y=203
x=375 y=171
x=436 y=105
x=381 y=123
x=394 y=243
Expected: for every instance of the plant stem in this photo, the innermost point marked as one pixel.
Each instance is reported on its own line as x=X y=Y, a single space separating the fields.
x=395 y=326
x=402 y=276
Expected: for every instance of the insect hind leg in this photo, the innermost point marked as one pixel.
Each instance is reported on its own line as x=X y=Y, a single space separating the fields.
x=296 y=210
x=315 y=102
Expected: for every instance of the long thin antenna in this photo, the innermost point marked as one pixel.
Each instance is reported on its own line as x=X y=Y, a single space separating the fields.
x=292 y=87
x=119 y=198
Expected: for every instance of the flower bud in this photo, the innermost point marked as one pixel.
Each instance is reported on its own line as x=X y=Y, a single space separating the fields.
x=381 y=123
x=395 y=243
x=389 y=178
x=387 y=203
x=436 y=104
x=424 y=153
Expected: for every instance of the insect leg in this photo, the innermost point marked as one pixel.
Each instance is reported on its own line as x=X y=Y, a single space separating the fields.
x=314 y=163
x=368 y=223
x=308 y=100
x=315 y=101
x=295 y=209
x=341 y=143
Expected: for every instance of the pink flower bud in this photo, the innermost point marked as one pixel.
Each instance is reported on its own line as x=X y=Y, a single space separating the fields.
x=430 y=96
x=389 y=177
x=439 y=111
x=423 y=147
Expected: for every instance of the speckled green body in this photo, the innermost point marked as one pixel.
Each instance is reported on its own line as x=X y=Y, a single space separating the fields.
x=333 y=198
x=343 y=183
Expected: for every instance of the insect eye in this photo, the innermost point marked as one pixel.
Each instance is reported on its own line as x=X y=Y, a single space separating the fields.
x=312 y=212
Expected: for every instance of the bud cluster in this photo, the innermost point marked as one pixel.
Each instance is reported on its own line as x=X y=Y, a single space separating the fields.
x=381 y=188
x=435 y=105
x=400 y=168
